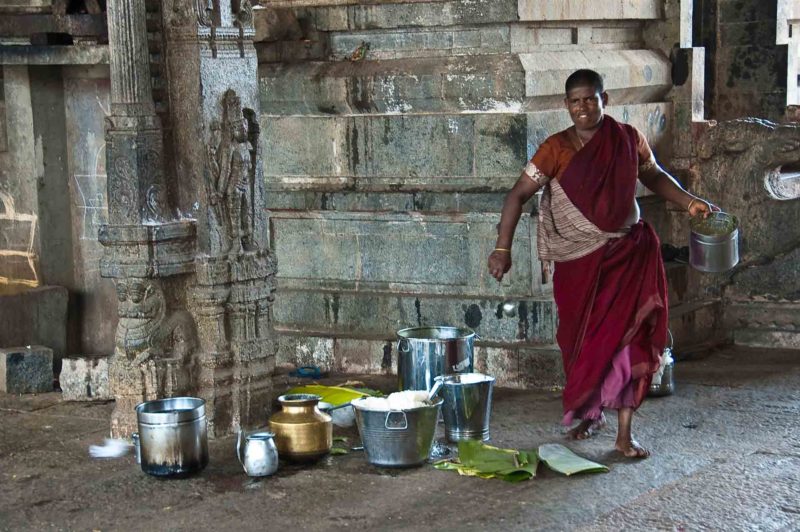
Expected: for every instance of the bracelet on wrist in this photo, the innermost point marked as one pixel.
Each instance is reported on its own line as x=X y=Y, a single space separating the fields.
x=503 y=249
x=689 y=207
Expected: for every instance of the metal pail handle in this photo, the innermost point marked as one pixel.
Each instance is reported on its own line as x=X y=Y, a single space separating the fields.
x=389 y=414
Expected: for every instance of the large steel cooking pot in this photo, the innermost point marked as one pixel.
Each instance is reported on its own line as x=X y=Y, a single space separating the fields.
x=173 y=437
x=424 y=353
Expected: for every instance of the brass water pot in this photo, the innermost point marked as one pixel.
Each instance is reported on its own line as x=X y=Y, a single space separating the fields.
x=302 y=432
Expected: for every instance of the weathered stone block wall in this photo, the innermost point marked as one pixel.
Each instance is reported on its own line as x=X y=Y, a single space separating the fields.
x=52 y=186
x=393 y=131
x=746 y=71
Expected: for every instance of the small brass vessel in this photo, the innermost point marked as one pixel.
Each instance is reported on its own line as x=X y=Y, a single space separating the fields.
x=302 y=432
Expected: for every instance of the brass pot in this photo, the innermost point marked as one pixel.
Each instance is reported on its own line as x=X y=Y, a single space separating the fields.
x=302 y=432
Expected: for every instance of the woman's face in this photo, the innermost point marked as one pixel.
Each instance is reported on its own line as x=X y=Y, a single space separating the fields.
x=585 y=106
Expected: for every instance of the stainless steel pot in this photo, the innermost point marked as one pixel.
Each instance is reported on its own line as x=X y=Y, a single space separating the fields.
x=425 y=353
x=714 y=243
x=172 y=437
x=397 y=438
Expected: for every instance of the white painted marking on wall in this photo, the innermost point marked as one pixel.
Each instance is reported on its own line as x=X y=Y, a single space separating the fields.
x=14 y=218
x=91 y=201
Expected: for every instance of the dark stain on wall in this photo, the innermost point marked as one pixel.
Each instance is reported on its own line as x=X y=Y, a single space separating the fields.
x=524 y=326
x=473 y=316
x=386 y=361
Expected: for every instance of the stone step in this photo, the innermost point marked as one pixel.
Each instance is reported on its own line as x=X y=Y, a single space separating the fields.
x=528 y=322
x=514 y=365
x=411 y=254
x=485 y=83
x=696 y=324
x=355 y=15
x=456 y=152
x=770 y=324
x=522 y=367
x=486 y=39
x=388 y=15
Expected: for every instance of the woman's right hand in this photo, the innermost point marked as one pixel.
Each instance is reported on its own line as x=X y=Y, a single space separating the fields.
x=499 y=264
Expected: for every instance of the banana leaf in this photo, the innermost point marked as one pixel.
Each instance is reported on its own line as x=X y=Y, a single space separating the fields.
x=484 y=461
x=562 y=460
x=335 y=395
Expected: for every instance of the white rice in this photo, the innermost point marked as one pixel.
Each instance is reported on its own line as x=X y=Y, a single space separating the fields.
x=405 y=400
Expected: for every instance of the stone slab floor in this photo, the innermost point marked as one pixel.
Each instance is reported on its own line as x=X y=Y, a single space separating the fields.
x=726 y=457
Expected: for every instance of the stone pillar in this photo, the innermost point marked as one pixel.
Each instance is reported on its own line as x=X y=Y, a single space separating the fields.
x=148 y=250
x=212 y=77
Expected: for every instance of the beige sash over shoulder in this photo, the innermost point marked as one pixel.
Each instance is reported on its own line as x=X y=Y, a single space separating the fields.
x=564 y=233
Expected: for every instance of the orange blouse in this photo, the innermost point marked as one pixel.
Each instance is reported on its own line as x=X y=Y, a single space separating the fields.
x=554 y=155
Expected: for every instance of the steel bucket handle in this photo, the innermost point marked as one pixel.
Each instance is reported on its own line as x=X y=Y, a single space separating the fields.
x=239 y=449
x=389 y=414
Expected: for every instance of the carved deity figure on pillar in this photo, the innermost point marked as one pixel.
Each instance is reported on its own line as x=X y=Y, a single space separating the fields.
x=154 y=355
x=232 y=161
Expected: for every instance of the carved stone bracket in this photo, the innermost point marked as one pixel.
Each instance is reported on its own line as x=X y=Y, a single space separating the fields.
x=156 y=250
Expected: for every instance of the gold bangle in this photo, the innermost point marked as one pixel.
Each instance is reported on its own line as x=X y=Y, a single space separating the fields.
x=689 y=207
x=502 y=249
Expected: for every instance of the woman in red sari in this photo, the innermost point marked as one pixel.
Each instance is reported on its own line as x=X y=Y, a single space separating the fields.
x=609 y=283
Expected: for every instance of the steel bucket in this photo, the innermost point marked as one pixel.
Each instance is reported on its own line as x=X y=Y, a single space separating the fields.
x=467 y=406
x=397 y=438
x=424 y=353
x=714 y=243
x=172 y=437
x=667 y=384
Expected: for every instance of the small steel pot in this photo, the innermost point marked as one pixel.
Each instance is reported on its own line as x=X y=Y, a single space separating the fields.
x=173 y=437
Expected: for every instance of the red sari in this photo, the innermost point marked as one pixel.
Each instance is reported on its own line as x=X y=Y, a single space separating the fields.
x=612 y=303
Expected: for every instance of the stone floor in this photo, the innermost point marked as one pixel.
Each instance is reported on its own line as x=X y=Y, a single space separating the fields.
x=726 y=457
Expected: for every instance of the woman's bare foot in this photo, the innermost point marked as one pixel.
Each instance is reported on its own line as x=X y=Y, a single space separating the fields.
x=631 y=449
x=587 y=428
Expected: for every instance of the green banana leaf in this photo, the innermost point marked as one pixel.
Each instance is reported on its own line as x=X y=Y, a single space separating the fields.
x=335 y=395
x=484 y=461
x=562 y=460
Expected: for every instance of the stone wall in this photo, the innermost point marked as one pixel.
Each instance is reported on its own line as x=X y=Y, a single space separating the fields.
x=52 y=183
x=394 y=130
x=746 y=66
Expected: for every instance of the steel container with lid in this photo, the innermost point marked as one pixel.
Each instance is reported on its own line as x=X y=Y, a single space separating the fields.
x=172 y=438
x=424 y=353
x=714 y=242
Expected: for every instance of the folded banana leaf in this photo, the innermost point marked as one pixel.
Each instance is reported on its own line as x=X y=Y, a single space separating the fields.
x=335 y=395
x=562 y=460
x=484 y=461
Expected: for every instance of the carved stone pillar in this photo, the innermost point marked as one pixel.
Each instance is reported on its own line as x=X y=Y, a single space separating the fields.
x=149 y=251
x=133 y=134
x=213 y=83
